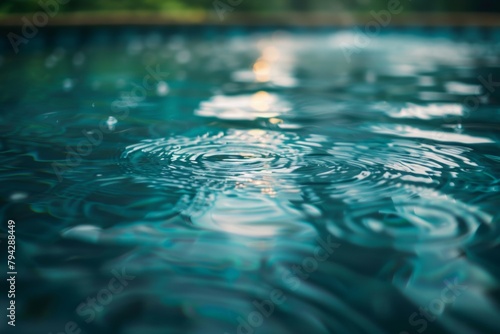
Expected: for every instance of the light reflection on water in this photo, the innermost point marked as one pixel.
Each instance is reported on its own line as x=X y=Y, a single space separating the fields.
x=227 y=172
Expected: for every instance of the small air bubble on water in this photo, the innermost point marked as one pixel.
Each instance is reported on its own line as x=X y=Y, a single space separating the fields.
x=111 y=123
x=67 y=84
x=162 y=88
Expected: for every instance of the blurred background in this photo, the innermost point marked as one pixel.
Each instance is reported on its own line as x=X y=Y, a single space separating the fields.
x=255 y=6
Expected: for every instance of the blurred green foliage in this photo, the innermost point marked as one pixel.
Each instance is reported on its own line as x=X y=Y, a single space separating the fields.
x=23 y=6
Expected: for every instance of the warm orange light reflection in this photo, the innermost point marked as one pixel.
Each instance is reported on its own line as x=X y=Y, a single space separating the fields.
x=261 y=101
x=268 y=191
x=271 y=53
x=262 y=70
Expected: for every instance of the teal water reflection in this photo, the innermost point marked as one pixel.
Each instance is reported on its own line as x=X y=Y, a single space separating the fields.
x=256 y=182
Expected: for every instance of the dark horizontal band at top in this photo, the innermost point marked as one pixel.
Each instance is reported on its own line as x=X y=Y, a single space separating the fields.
x=282 y=19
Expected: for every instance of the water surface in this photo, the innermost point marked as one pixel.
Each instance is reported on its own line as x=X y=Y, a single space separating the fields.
x=220 y=167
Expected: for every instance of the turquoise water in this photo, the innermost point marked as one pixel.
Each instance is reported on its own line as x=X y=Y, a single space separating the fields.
x=253 y=181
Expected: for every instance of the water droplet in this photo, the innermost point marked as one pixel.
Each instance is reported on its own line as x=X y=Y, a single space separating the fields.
x=67 y=84
x=111 y=123
x=162 y=88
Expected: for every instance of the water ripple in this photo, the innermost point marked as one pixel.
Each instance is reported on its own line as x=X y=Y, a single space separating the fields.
x=349 y=171
x=422 y=224
x=218 y=158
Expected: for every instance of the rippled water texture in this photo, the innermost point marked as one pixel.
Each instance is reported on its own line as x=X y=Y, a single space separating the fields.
x=354 y=185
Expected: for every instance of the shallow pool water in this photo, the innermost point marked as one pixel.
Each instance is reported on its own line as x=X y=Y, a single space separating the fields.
x=253 y=181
